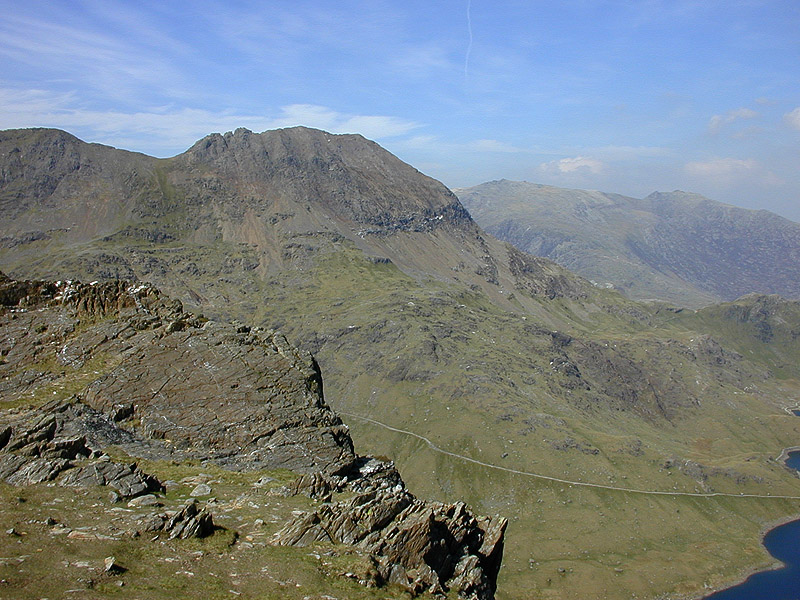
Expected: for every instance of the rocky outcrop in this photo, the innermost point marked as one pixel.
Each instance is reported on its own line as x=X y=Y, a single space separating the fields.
x=52 y=442
x=420 y=546
x=239 y=396
x=348 y=174
x=541 y=277
x=130 y=368
x=190 y=521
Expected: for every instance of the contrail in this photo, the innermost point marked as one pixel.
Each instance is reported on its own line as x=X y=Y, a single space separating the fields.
x=469 y=46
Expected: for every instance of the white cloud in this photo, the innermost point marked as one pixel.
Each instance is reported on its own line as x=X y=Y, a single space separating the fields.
x=721 y=168
x=793 y=118
x=576 y=164
x=321 y=117
x=717 y=122
x=164 y=130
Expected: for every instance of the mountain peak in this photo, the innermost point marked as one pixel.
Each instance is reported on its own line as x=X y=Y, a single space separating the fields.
x=346 y=173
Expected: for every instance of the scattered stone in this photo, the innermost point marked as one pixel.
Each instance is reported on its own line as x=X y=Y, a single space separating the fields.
x=170 y=485
x=80 y=534
x=152 y=522
x=190 y=522
x=112 y=567
x=202 y=489
x=146 y=500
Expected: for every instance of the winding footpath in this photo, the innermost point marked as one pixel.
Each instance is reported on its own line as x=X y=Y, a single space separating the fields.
x=436 y=448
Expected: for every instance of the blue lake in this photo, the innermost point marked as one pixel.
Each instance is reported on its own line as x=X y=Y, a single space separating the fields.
x=784 y=544
x=794 y=460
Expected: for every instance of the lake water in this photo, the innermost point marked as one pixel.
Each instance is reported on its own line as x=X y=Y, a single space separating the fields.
x=784 y=544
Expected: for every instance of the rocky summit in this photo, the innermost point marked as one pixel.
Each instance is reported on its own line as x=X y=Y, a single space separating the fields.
x=98 y=378
x=239 y=208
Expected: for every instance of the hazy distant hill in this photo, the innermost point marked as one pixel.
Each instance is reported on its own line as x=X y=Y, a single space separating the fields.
x=678 y=247
x=422 y=321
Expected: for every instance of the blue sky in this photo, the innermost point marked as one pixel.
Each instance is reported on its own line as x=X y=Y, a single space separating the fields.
x=622 y=96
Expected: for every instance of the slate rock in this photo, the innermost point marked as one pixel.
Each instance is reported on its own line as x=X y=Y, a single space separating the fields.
x=421 y=546
x=202 y=489
x=190 y=521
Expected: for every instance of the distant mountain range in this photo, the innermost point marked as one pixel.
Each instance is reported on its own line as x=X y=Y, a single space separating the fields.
x=488 y=374
x=677 y=247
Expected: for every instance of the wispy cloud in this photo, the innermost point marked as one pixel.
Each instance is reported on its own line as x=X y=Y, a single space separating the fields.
x=793 y=118
x=717 y=122
x=627 y=153
x=726 y=172
x=166 y=130
x=436 y=144
x=721 y=168
x=321 y=117
x=469 y=45
x=121 y=67
x=575 y=164
x=421 y=61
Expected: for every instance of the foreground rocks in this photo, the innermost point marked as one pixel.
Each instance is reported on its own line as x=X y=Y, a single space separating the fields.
x=421 y=546
x=84 y=368
x=50 y=442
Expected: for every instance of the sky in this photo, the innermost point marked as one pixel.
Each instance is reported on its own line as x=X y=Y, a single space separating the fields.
x=629 y=96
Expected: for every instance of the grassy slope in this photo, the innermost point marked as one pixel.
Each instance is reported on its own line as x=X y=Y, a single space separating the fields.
x=39 y=560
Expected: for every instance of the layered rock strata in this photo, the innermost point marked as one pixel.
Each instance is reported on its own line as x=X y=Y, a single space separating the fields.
x=420 y=546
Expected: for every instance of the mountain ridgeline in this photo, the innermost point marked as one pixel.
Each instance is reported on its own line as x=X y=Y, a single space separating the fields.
x=488 y=374
x=280 y=196
x=676 y=247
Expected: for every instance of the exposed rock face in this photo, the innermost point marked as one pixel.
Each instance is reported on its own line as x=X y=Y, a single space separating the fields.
x=190 y=521
x=243 y=398
x=354 y=177
x=421 y=546
x=62 y=440
x=267 y=201
x=541 y=277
